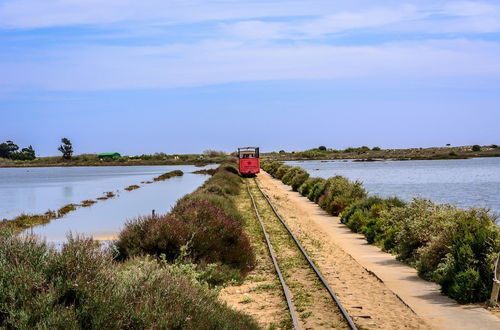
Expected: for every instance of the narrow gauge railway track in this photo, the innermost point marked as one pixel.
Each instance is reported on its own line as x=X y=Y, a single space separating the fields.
x=279 y=227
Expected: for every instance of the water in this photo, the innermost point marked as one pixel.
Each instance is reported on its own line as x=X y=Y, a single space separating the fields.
x=35 y=190
x=462 y=182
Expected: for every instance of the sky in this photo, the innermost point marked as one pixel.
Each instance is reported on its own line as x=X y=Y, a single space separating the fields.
x=186 y=76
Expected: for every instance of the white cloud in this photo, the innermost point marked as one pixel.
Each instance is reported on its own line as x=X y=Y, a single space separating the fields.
x=208 y=63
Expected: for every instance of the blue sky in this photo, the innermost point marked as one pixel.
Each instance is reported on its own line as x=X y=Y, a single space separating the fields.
x=185 y=76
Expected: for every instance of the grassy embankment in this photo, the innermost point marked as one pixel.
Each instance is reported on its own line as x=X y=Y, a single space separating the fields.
x=366 y=154
x=25 y=221
x=160 y=274
x=211 y=157
x=453 y=247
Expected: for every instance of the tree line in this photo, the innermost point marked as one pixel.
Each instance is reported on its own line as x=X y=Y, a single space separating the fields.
x=10 y=150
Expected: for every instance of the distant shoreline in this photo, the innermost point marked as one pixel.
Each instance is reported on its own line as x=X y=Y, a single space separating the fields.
x=376 y=154
x=106 y=164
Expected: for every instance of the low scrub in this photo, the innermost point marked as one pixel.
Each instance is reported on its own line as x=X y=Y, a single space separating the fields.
x=453 y=247
x=80 y=286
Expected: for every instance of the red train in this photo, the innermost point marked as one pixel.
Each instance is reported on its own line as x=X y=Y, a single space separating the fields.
x=249 y=161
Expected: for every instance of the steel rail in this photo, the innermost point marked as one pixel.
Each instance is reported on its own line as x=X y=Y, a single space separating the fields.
x=286 y=290
x=346 y=315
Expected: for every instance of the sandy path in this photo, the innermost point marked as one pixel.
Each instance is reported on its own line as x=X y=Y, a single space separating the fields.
x=350 y=272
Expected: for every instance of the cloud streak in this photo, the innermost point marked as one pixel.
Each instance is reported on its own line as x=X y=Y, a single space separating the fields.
x=214 y=62
x=165 y=44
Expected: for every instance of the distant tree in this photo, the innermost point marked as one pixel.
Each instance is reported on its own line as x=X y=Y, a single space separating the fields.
x=66 y=148
x=8 y=149
x=447 y=144
x=28 y=153
x=376 y=149
x=282 y=151
x=322 y=148
x=24 y=154
x=494 y=146
x=476 y=147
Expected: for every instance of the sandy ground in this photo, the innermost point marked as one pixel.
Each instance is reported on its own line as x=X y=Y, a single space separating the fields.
x=367 y=279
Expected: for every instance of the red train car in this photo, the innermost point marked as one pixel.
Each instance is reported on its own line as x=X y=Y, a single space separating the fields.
x=249 y=160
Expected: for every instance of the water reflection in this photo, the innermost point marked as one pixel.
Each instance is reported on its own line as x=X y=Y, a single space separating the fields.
x=105 y=219
x=38 y=189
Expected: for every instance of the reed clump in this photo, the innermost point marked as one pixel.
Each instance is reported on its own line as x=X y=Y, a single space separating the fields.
x=66 y=209
x=132 y=187
x=453 y=247
x=210 y=171
x=169 y=175
x=87 y=203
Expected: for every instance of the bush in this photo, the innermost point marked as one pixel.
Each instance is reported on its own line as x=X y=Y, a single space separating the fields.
x=322 y=148
x=316 y=190
x=363 y=216
x=306 y=187
x=281 y=171
x=338 y=193
x=376 y=149
x=211 y=235
x=206 y=221
x=295 y=177
x=476 y=147
x=271 y=167
x=80 y=286
x=466 y=272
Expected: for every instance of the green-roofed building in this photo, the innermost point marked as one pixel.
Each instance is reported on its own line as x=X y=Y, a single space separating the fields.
x=109 y=155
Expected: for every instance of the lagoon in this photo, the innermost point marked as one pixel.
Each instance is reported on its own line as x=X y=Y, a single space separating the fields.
x=36 y=190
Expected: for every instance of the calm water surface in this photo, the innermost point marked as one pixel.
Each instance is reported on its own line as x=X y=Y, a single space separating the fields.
x=35 y=190
x=463 y=182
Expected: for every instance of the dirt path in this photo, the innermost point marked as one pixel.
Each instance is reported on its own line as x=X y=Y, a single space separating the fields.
x=353 y=267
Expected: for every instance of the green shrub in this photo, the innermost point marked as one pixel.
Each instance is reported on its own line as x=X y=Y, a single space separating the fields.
x=316 y=190
x=295 y=177
x=467 y=270
x=281 y=171
x=476 y=147
x=338 y=193
x=306 y=187
x=363 y=216
x=271 y=167
x=299 y=179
